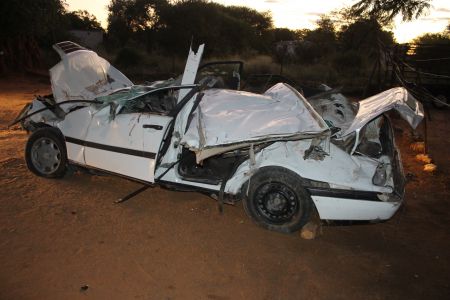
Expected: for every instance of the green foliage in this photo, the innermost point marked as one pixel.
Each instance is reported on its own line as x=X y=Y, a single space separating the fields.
x=226 y=30
x=37 y=19
x=348 y=61
x=434 y=38
x=323 y=37
x=159 y=25
x=128 y=18
x=385 y=10
x=82 y=20
x=26 y=26
x=283 y=34
x=44 y=21
x=128 y=57
x=336 y=48
x=314 y=45
x=364 y=36
x=432 y=53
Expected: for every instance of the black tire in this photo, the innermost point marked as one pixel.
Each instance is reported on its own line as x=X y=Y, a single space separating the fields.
x=277 y=200
x=45 y=153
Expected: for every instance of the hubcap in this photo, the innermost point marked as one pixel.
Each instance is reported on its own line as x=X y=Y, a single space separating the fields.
x=276 y=202
x=45 y=155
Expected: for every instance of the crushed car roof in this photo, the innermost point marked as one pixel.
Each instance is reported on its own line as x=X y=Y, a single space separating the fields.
x=228 y=119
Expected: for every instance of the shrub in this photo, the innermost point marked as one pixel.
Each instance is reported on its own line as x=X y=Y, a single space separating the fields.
x=127 y=57
x=347 y=61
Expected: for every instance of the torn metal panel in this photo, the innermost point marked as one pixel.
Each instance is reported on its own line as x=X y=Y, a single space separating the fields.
x=397 y=98
x=190 y=70
x=335 y=109
x=315 y=150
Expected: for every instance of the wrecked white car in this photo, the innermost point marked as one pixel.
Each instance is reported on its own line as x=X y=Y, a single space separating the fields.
x=284 y=156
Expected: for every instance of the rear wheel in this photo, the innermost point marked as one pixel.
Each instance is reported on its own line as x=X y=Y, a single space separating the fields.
x=45 y=153
x=277 y=200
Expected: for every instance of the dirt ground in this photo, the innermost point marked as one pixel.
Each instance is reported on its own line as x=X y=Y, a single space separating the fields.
x=57 y=236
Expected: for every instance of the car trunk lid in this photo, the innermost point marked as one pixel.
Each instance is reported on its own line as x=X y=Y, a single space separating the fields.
x=83 y=75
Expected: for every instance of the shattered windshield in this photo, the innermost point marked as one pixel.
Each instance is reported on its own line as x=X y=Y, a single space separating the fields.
x=139 y=96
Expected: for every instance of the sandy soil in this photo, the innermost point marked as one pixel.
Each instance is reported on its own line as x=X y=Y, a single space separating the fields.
x=57 y=236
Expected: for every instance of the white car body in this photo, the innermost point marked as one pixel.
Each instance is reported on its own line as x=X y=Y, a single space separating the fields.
x=281 y=122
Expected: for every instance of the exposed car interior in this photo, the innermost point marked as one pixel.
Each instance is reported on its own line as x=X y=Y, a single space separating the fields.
x=160 y=102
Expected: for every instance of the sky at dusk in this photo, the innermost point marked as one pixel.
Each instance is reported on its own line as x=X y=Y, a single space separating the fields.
x=298 y=14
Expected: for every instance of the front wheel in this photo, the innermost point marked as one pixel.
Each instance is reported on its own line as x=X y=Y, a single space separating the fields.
x=277 y=200
x=45 y=153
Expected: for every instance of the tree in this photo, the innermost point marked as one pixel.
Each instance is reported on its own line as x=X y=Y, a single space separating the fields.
x=40 y=19
x=385 y=10
x=128 y=18
x=364 y=36
x=324 y=36
x=82 y=20
x=283 y=34
x=319 y=42
x=260 y=22
x=226 y=30
x=431 y=53
x=26 y=25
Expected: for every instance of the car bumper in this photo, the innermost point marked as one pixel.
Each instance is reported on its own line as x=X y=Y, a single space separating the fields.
x=331 y=208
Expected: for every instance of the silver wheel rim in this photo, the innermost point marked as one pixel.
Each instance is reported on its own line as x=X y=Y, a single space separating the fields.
x=45 y=155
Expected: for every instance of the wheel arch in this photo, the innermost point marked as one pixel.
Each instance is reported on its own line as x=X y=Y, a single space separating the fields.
x=305 y=182
x=56 y=130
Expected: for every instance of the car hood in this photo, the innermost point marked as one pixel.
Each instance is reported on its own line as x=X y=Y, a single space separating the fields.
x=226 y=120
x=83 y=75
x=398 y=98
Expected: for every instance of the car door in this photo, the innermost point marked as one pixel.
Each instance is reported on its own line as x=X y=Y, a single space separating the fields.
x=228 y=73
x=127 y=144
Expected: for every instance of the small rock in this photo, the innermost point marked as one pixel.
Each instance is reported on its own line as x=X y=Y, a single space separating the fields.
x=423 y=158
x=418 y=147
x=431 y=168
x=84 y=288
x=310 y=230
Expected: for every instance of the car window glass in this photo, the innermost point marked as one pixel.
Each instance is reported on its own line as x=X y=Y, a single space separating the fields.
x=160 y=102
x=226 y=74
